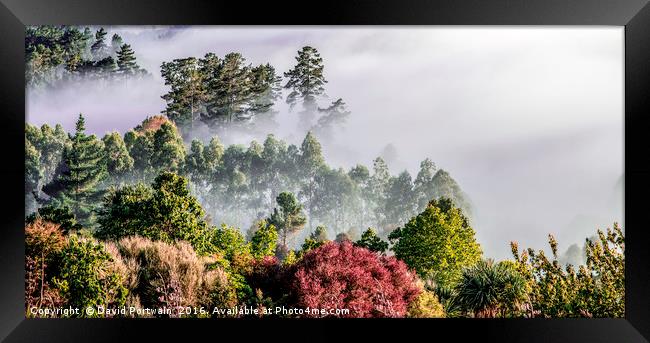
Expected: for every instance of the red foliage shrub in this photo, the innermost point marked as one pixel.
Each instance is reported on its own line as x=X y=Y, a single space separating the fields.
x=343 y=276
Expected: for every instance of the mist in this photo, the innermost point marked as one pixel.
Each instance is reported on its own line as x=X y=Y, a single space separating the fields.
x=528 y=120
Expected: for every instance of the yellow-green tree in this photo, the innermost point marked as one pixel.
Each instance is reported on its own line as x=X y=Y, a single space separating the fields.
x=438 y=242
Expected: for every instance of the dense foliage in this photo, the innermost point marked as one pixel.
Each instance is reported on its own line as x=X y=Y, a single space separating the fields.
x=234 y=184
x=153 y=218
x=596 y=289
x=69 y=53
x=342 y=276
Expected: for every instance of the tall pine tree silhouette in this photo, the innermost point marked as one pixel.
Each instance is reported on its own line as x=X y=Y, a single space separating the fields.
x=126 y=61
x=81 y=169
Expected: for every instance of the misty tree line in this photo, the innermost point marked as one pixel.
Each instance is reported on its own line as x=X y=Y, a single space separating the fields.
x=68 y=53
x=226 y=91
x=236 y=184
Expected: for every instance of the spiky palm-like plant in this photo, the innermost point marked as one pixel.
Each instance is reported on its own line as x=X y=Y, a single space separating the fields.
x=490 y=290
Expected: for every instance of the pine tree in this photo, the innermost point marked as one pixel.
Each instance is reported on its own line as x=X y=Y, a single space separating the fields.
x=99 y=49
x=306 y=79
x=81 y=169
x=187 y=96
x=265 y=89
x=306 y=82
x=229 y=91
x=372 y=242
x=126 y=61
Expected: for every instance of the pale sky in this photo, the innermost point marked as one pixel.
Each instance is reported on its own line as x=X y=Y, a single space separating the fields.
x=528 y=120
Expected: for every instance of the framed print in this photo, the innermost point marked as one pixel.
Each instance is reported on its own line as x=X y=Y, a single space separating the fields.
x=361 y=170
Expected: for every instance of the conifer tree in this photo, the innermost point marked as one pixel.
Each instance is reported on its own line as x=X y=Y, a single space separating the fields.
x=78 y=174
x=126 y=61
x=306 y=82
x=187 y=96
x=99 y=49
x=229 y=91
x=372 y=242
x=306 y=79
x=265 y=89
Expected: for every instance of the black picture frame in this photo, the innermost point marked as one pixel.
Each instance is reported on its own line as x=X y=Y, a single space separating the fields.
x=633 y=14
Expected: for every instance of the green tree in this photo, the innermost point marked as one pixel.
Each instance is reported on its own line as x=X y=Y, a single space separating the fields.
x=168 y=149
x=33 y=174
x=371 y=241
x=399 y=203
x=50 y=144
x=445 y=186
x=360 y=175
x=334 y=198
x=379 y=183
x=166 y=212
x=81 y=170
x=140 y=147
x=310 y=161
x=315 y=239
x=187 y=97
x=195 y=163
x=263 y=242
x=265 y=90
x=229 y=91
x=288 y=217
x=126 y=61
x=424 y=186
x=99 y=48
x=117 y=158
x=306 y=82
x=439 y=242
x=86 y=277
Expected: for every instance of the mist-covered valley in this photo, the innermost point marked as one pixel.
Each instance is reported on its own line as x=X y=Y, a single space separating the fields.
x=527 y=121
